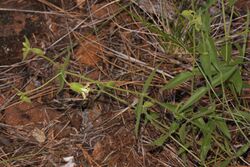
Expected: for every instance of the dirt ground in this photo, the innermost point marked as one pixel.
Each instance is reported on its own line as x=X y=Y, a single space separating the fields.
x=56 y=126
x=98 y=131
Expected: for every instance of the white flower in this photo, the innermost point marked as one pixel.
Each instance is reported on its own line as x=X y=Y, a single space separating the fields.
x=85 y=91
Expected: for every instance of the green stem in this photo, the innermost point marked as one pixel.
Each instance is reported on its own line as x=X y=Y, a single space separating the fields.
x=40 y=87
x=48 y=59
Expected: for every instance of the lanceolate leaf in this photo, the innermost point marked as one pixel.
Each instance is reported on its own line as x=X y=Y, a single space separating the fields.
x=200 y=123
x=179 y=79
x=109 y=84
x=212 y=52
x=205 y=146
x=26 y=48
x=240 y=50
x=206 y=22
x=206 y=64
x=222 y=77
x=170 y=107
x=222 y=126
x=26 y=43
x=236 y=80
x=139 y=107
x=37 y=51
x=207 y=140
x=183 y=132
x=151 y=116
x=199 y=93
x=147 y=104
x=160 y=141
x=242 y=150
x=204 y=112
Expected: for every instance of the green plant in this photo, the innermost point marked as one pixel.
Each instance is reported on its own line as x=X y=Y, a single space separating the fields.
x=60 y=76
x=222 y=74
x=27 y=49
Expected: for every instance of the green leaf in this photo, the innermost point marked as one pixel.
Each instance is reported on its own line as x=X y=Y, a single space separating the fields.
x=207 y=140
x=225 y=163
x=161 y=140
x=204 y=112
x=222 y=126
x=212 y=52
x=242 y=150
x=200 y=123
x=25 y=53
x=205 y=146
x=109 y=84
x=24 y=98
x=139 y=106
x=148 y=104
x=183 y=133
x=26 y=42
x=240 y=50
x=227 y=147
x=179 y=79
x=206 y=64
x=198 y=94
x=206 y=22
x=208 y=56
x=237 y=81
x=151 y=116
x=26 y=47
x=37 y=51
x=170 y=107
x=231 y=2
x=77 y=87
x=222 y=77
